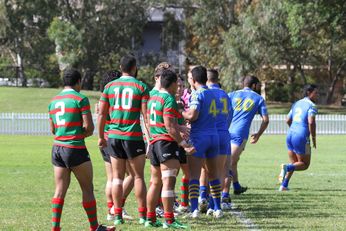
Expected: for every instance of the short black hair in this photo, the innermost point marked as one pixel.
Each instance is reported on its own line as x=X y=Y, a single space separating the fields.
x=108 y=77
x=167 y=78
x=309 y=88
x=127 y=62
x=213 y=75
x=199 y=74
x=250 y=80
x=71 y=77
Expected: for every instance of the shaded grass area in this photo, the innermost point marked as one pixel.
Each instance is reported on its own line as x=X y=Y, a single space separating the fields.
x=317 y=200
x=36 y=100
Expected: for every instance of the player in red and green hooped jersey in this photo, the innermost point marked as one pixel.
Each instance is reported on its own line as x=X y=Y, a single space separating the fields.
x=71 y=122
x=163 y=122
x=128 y=181
x=125 y=99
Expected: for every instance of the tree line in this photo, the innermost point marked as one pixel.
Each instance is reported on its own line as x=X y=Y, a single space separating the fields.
x=286 y=43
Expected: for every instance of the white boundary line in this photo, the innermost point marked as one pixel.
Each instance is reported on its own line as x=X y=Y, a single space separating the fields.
x=243 y=219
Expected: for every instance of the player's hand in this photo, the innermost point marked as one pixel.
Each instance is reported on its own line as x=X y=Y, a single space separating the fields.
x=190 y=150
x=102 y=143
x=314 y=142
x=184 y=132
x=254 y=138
x=148 y=151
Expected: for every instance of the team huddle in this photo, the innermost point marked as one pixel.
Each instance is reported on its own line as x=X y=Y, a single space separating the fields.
x=200 y=130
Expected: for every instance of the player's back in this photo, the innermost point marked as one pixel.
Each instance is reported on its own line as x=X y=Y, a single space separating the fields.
x=224 y=112
x=204 y=100
x=125 y=97
x=299 y=114
x=159 y=105
x=65 y=110
x=245 y=103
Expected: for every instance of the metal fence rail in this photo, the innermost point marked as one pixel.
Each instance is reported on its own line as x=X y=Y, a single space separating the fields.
x=37 y=124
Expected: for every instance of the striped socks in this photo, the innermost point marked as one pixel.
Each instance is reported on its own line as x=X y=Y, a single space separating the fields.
x=57 y=205
x=215 y=191
x=184 y=190
x=91 y=211
x=193 y=194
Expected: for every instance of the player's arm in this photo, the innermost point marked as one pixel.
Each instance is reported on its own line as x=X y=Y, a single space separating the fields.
x=51 y=125
x=101 y=121
x=265 y=122
x=191 y=114
x=312 y=129
x=289 y=118
x=172 y=128
x=88 y=124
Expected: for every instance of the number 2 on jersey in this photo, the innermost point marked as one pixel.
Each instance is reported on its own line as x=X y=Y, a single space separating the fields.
x=60 y=113
x=297 y=113
x=245 y=105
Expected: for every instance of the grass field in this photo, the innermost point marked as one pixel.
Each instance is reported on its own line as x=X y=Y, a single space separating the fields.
x=37 y=100
x=317 y=200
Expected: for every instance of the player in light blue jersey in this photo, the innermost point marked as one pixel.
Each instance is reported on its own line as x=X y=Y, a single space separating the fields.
x=301 y=120
x=245 y=103
x=204 y=137
x=223 y=121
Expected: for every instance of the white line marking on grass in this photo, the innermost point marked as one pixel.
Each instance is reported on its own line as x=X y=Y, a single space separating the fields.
x=247 y=222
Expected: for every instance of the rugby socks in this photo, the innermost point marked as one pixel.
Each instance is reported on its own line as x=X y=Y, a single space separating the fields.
x=290 y=167
x=285 y=182
x=215 y=191
x=151 y=216
x=203 y=191
x=90 y=209
x=169 y=217
x=109 y=206
x=193 y=194
x=184 y=190
x=236 y=185
x=211 y=203
x=57 y=205
x=142 y=212
x=118 y=213
x=225 y=196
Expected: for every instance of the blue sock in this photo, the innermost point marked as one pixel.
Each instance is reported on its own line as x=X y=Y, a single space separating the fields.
x=193 y=194
x=203 y=191
x=290 y=167
x=285 y=182
x=211 y=203
x=215 y=191
x=225 y=195
x=236 y=185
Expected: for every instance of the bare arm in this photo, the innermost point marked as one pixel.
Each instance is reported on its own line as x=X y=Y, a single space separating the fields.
x=101 y=121
x=289 y=121
x=172 y=128
x=51 y=124
x=88 y=124
x=191 y=114
x=312 y=129
x=255 y=137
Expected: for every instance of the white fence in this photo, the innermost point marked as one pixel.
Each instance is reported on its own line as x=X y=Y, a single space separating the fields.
x=37 y=124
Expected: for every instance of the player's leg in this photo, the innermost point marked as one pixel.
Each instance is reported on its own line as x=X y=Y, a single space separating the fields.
x=118 y=168
x=213 y=170
x=225 y=196
x=108 y=188
x=153 y=195
x=62 y=178
x=136 y=155
x=195 y=165
x=203 y=190
x=127 y=188
x=184 y=188
x=84 y=175
x=237 y=149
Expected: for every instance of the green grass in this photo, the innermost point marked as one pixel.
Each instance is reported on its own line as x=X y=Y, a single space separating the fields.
x=36 y=100
x=317 y=200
